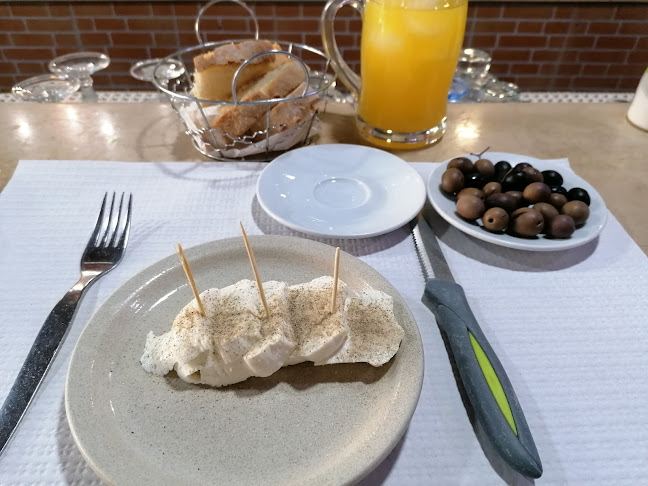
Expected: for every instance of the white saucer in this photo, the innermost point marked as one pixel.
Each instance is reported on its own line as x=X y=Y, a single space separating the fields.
x=341 y=191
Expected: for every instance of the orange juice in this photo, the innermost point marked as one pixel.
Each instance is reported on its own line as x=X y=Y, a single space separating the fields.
x=409 y=53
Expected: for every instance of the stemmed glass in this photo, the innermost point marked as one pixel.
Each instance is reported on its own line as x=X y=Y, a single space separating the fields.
x=473 y=69
x=46 y=88
x=81 y=65
x=147 y=69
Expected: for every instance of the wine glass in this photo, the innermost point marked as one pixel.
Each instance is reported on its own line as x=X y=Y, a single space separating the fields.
x=46 y=88
x=81 y=65
x=146 y=69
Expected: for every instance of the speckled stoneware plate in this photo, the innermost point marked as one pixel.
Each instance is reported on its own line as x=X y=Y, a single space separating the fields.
x=445 y=206
x=303 y=425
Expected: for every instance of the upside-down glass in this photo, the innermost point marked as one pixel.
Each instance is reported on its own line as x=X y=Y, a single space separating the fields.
x=409 y=52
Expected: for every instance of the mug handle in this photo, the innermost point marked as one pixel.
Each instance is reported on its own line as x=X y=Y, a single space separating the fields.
x=349 y=78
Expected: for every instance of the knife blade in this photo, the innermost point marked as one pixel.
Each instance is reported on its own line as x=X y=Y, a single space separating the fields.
x=487 y=386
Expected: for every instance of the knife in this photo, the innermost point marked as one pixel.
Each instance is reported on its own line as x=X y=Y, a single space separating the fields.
x=489 y=390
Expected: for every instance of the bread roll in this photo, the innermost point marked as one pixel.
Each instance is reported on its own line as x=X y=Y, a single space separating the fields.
x=214 y=71
x=235 y=120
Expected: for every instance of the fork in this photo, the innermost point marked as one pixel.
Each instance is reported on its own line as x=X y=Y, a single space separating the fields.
x=103 y=252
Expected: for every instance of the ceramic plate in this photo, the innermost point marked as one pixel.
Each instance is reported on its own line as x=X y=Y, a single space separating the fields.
x=445 y=206
x=302 y=425
x=341 y=191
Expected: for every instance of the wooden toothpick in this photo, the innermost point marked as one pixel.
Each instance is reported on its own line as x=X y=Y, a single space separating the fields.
x=336 y=269
x=257 y=277
x=192 y=283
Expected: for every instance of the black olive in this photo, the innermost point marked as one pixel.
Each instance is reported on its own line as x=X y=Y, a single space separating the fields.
x=521 y=165
x=475 y=180
x=558 y=189
x=578 y=194
x=552 y=178
x=533 y=175
x=501 y=169
x=514 y=181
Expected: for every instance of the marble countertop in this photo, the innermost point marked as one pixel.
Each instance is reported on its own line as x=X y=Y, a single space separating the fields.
x=602 y=146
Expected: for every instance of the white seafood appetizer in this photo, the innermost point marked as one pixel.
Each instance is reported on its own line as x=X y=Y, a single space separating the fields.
x=235 y=341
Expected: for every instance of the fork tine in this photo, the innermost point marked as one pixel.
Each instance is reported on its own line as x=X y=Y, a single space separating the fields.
x=110 y=223
x=100 y=222
x=124 y=236
x=118 y=222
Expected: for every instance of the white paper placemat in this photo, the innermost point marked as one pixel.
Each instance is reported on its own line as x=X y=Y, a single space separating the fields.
x=569 y=327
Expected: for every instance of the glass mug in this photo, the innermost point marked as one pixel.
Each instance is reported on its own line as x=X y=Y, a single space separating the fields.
x=408 y=55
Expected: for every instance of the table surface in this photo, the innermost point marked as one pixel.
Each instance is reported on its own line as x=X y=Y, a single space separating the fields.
x=602 y=146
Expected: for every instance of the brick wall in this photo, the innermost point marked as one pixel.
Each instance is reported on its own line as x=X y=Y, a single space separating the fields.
x=540 y=46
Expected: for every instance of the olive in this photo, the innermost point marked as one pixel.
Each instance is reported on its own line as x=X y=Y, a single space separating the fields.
x=519 y=211
x=464 y=164
x=492 y=188
x=485 y=167
x=528 y=222
x=578 y=210
x=559 y=190
x=552 y=178
x=452 y=181
x=495 y=219
x=557 y=200
x=562 y=226
x=470 y=207
x=501 y=169
x=475 y=180
x=533 y=175
x=520 y=166
x=501 y=200
x=514 y=181
x=517 y=195
x=536 y=192
x=473 y=191
x=578 y=194
x=548 y=212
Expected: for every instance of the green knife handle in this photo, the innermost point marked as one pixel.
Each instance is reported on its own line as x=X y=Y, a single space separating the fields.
x=488 y=388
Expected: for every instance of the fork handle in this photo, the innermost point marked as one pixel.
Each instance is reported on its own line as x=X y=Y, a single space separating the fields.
x=38 y=361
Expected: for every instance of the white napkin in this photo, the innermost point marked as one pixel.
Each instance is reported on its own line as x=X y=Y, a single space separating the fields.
x=569 y=327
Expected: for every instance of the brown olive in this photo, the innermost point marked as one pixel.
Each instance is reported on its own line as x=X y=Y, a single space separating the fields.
x=492 y=188
x=501 y=200
x=578 y=210
x=517 y=195
x=485 y=167
x=470 y=207
x=548 y=212
x=533 y=174
x=562 y=226
x=464 y=164
x=495 y=219
x=527 y=223
x=473 y=191
x=452 y=181
x=557 y=200
x=519 y=211
x=536 y=192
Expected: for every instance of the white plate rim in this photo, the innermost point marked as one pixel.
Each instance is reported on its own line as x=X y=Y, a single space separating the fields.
x=418 y=194
x=437 y=199
x=413 y=360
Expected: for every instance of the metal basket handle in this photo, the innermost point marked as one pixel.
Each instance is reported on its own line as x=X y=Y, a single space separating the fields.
x=271 y=51
x=202 y=11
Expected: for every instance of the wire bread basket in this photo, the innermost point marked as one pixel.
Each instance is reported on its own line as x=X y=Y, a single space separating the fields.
x=266 y=138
